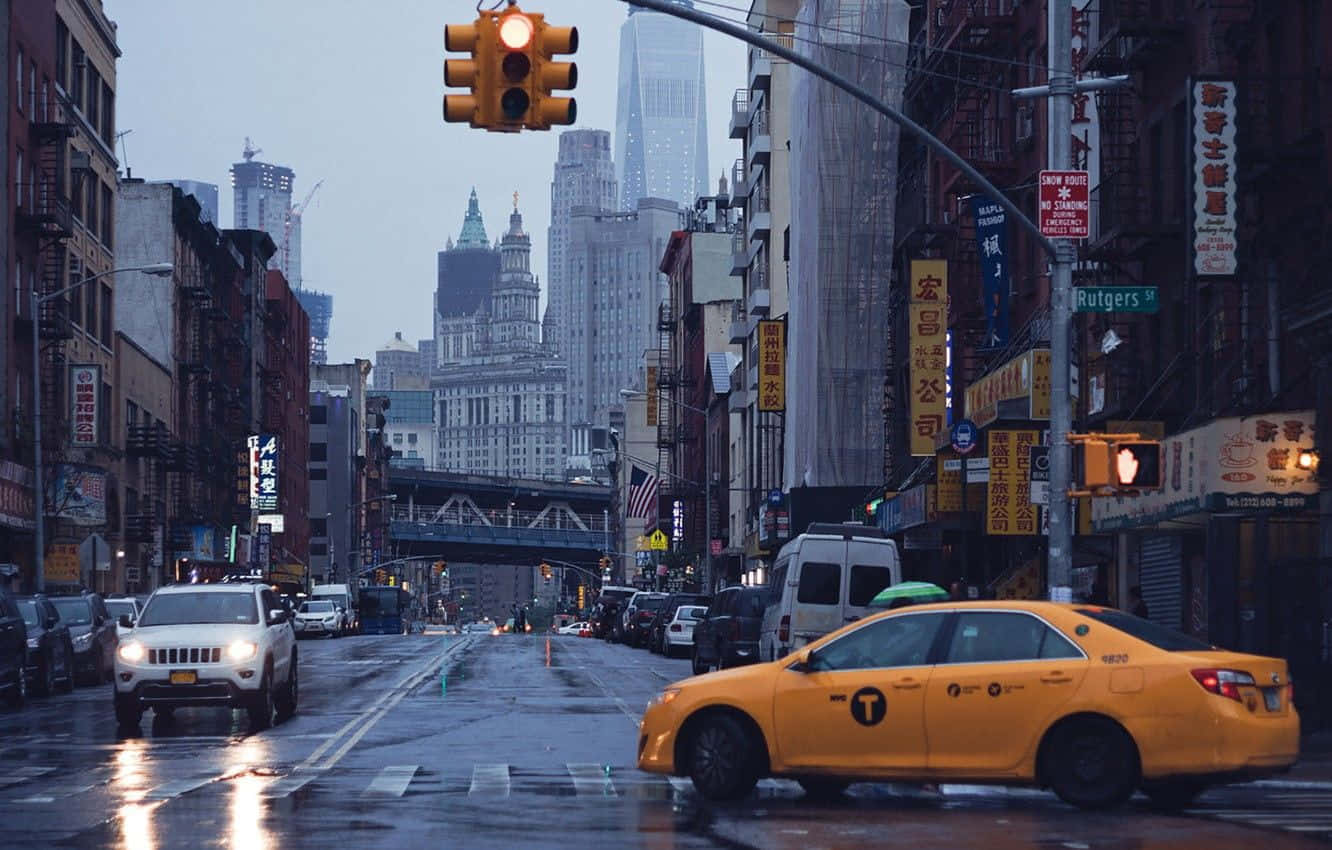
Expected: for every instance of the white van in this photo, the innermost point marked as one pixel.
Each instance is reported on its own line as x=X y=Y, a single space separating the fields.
x=341 y=596
x=822 y=580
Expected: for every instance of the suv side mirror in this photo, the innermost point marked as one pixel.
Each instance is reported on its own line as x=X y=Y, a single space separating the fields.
x=277 y=615
x=51 y=622
x=126 y=621
x=342 y=610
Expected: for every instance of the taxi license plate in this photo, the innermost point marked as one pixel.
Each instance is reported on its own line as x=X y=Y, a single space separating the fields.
x=184 y=677
x=1272 y=698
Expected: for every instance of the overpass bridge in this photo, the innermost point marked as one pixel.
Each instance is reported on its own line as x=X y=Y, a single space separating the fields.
x=489 y=520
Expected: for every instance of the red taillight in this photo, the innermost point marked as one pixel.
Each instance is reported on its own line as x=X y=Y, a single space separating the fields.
x=784 y=628
x=1290 y=693
x=1225 y=683
x=675 y=627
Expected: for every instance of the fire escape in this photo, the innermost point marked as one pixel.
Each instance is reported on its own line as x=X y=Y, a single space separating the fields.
x=44 y=214
x=1130 y=215
x=150 y=444
x=668 y=388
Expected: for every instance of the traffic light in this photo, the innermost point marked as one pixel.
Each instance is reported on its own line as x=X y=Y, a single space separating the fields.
x=605 y=562
x=1137 y=465
x=511 y=74
x=1095 y=464
x=438 y=568
x=393 y=581
x=381 y=577
x=582 y=598
x=545 y=571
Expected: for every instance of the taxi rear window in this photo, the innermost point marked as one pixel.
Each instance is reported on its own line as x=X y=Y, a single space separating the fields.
x=1145 y=630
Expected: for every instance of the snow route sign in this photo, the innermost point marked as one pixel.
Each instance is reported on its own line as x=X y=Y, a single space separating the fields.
x=1065 y=198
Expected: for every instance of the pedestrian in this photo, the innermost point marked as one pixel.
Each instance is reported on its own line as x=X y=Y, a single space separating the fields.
x=1137 y=605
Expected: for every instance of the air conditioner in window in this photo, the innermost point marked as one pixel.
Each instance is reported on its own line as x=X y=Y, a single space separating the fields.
x=1026 y=125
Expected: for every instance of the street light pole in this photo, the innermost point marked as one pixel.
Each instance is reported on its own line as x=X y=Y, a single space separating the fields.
x=35 y=303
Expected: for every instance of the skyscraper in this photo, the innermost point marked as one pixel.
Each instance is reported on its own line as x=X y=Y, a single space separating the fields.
x=661 y=125
x=262 y=201
x=584 y=177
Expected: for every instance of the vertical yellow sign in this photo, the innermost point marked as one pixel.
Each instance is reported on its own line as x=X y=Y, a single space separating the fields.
x=1008 y=508
x=772 y=365
x=928 y=334
x=651 y=412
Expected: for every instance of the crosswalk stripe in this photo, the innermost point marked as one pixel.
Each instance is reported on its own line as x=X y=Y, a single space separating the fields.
x=392 y=781
x=22 y=774
x=591 y=780
x=290 y=784
x=174 y=789
x=490 y=779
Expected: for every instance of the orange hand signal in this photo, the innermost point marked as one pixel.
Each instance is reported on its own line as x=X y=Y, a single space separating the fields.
x=1127 y=466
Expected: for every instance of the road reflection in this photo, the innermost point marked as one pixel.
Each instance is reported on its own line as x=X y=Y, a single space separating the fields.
x=249 y=777
x=130 y=781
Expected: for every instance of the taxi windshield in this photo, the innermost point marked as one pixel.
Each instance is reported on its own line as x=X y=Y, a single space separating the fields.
x=1146 y=631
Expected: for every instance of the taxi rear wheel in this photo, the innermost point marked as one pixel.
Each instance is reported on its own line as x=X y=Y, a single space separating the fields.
x=1091 y=763
x=721 y=762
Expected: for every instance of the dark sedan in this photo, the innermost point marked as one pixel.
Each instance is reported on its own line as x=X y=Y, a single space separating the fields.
x=728 y=634
x=50 y=647
x=13 y=652
x=655 y=632
x=93 y=633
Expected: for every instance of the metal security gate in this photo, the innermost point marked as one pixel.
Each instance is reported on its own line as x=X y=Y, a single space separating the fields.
x=1160 y=578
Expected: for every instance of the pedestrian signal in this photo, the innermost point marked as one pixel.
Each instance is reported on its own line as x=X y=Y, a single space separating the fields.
x=1138 y=465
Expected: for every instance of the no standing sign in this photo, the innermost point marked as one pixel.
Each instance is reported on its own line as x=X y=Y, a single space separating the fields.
x=1065 y=199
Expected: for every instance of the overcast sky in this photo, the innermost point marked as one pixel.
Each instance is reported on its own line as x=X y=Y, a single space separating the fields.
x=351 y=93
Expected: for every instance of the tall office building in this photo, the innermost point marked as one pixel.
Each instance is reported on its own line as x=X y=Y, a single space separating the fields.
x=262 y=201
x=614 y=291
x=204 y=193
x=661 y=125
x=584 y=177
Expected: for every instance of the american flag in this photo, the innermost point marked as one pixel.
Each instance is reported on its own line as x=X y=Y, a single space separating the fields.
x=642 y=493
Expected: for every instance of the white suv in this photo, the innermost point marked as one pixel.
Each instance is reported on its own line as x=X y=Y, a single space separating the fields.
x=209 y=644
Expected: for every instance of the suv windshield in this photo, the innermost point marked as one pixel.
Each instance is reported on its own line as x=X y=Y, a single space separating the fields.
x=317 y=608
x=1146 y=631
x=76 y=612
x=28 y=609
x=177 y=609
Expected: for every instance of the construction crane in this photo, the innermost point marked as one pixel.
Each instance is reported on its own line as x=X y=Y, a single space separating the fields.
x=294 y=217
x=250 y=151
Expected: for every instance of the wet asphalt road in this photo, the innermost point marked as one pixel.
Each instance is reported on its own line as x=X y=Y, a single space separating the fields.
x=430 y=741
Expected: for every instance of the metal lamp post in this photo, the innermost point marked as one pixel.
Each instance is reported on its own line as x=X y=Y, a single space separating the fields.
x=35 y=303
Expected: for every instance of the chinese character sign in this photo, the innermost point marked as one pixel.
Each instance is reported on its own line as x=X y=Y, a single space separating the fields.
x=84 y=383
x=1009 y=509
x=928 y=315
x=1214 y=185
x=772 y=365
x=263 y=472
x=651 y=408
x=992 y=248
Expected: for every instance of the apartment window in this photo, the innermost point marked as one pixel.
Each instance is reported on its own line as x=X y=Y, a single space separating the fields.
x=104 y=419
x=20 y=298
x=106 y=315
x=76 y=73
x=18 y=169
x=319 y=526
x=18 y=79
x=318 y=452
x=62 y=55
x=108 y=116
x=90 y=204
x=318 y=548
x=318 y=414
x=320 y=474
x=411 y=438
x=32 y=91
x=94 y=108
x=75 y=296
x=106 y=215
x=90 y=314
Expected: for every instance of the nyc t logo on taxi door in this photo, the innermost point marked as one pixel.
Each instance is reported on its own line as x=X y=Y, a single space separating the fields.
x=868 y=706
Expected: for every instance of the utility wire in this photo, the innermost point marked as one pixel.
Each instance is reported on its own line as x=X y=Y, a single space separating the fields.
x=866 y=36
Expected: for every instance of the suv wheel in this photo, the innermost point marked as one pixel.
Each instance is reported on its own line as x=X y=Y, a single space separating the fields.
x=699 y=666
x=67 y=684
x=261 y=708
x=44 y=684
x=128 y=711
x=291 y=693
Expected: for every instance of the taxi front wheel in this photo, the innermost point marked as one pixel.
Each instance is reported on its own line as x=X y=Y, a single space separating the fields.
x=1091 y=763
x=721 y=759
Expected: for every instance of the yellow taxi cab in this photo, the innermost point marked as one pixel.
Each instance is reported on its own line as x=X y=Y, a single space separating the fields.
x=1090 y=702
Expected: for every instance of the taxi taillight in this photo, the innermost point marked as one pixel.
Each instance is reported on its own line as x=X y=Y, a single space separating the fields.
x=784 y=628
x=1290 y=693
x=1225 y=683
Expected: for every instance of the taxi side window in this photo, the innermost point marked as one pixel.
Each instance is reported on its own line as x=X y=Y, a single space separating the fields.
x=820 y=584
x=983 y=636
x=902 y=641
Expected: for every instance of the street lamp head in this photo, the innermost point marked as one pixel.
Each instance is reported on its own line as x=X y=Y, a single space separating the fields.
x=158 y=269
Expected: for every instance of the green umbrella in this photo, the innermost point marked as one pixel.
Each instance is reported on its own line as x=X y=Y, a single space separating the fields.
x=916 y=591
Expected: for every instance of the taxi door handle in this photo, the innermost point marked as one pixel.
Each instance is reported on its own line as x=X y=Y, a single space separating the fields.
x=906 y=685
x=1056 y=678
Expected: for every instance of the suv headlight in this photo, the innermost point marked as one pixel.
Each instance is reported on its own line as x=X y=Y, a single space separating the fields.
x=83 y=641
x=241 y=650
x=132 y=652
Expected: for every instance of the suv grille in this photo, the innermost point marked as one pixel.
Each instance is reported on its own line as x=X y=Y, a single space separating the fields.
x=186 y=655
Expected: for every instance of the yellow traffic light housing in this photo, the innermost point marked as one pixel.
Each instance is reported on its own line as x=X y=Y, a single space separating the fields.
x=1095 y=464
x=545 y=571
x=510 y=74
x=582 y=598
x=1118 y=464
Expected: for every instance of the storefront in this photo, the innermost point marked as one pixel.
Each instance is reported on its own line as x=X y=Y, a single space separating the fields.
x=16 y=525
x=1227 y=548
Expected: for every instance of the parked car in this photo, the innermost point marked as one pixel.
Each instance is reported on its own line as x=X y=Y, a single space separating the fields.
x=13 y=653
x=227 y=645
x=121 y=606
x=607 y=608
x=728 y=633
x=680 y=630
x=341 y=596
x=574 y=628
x=638 y=614
x=478 y=628
x=50 y=647
x=93 y=632
x=319 y=617
x=822 y=580
x=655 y=633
